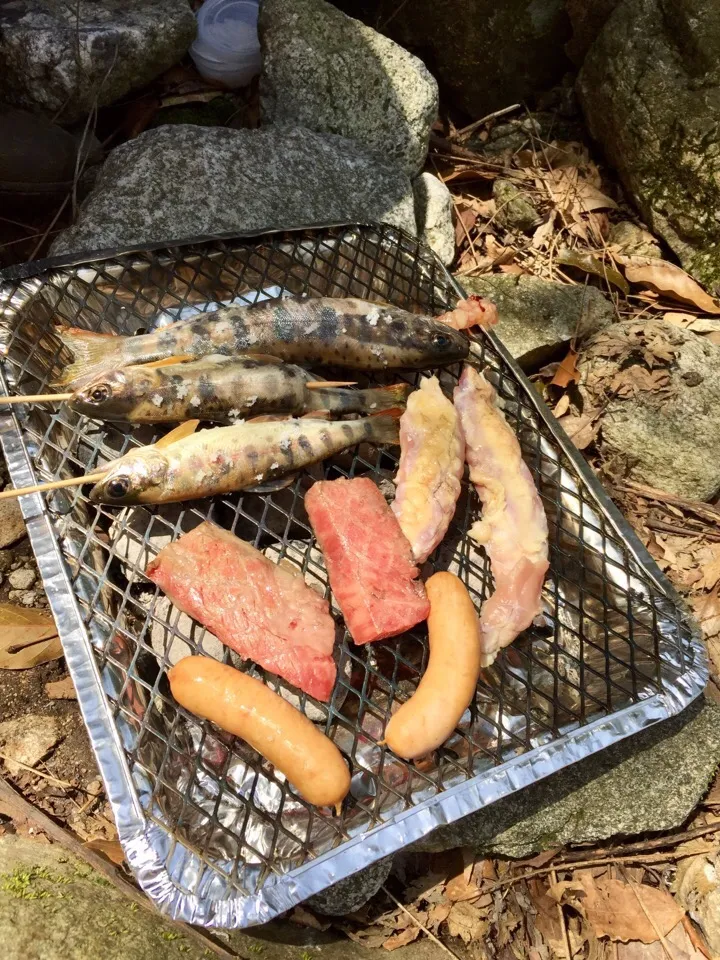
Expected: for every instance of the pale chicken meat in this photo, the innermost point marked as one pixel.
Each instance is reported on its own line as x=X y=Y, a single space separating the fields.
x=432 y=461
x=513 y=528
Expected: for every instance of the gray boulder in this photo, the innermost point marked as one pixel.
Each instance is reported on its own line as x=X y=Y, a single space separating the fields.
x=179 y=182
x=63 y=59
x=651 y=781
x=536 y=317
x=331 y=73
x=434 y=216
x=661 y=423
x=484 y=54
x=650 y=89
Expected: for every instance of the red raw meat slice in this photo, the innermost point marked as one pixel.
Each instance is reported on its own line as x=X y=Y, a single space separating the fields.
x=261 y=611
x=369 y=560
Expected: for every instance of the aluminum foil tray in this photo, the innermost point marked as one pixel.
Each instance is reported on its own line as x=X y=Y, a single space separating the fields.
x=214 y=836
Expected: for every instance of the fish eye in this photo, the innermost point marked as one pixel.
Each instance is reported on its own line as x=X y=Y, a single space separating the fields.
x=118 y=488
x=100 y=393
x=441 y=340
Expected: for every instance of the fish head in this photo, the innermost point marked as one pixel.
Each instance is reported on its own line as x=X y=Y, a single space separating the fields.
x=138 y=477
x=110 y=396
x=444 y=343
x=425 y=341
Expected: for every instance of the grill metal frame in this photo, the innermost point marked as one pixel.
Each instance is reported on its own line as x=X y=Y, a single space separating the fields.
x=213 y=837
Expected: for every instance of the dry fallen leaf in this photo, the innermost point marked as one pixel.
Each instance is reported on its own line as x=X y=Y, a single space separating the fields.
x=614 y=909
x=303 y=918
x=27 y=637
x=467 y=922
x=567 y=372
x=677 y=942
x=669 y=279
x=402 y=939
x=590 y=264
x=112 y=849
x=61 y=689
x=581 y=430
x=574 y=194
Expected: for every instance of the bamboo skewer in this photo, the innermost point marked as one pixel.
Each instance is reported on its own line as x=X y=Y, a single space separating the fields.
x=60 y=397
x=37 y=398
x=322 y=384
x=52 y=485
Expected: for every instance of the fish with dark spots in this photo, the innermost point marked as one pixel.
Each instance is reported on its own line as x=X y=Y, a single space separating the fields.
x=346 y=332
x=224 y=459
x=221 y=389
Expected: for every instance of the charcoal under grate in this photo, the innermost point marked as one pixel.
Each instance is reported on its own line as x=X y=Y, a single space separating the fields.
x=214 y=835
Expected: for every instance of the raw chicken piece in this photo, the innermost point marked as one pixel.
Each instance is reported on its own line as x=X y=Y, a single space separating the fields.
x=368 y=559
x=432 y=461
x=261 y=611
x=513 y=528
x=473 y=312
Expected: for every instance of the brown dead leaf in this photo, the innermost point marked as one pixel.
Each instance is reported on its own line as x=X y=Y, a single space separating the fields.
x=402 y=939
x=678 y=943
x=465 y=221
x=438 y=914
x=574 y=194
x=711 y=571
x=668 y=279
x=61 y=689
x=112 y=849
x=707 y=612
x=27 y=637
x=590 y=264
x=460 y=885
x=303 y=918
x=582 y=430
x=567 y=372
x=614 y=909
x=544 y=234
x=560 y=409
x=467 y=922
x=547 y=919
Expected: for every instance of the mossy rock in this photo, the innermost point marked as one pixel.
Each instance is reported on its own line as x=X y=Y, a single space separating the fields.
x=650 y=89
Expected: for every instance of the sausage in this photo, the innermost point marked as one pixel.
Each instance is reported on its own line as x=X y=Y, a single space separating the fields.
x=447 y=687
x=245 y=707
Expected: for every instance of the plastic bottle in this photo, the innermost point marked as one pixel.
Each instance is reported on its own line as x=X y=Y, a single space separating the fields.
x=227 y=48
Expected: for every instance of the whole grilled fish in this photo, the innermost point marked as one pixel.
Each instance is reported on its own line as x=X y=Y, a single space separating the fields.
x=314 y=331
x=224 y=459
x=224 y=389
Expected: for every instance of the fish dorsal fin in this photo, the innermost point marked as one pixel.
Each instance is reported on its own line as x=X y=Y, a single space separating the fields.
x=169 y=361
x=317 y=415
x=177 y=433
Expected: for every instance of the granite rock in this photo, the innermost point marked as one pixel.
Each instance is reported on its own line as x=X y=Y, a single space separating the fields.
x=434 y=216
x=329 y=72
x=179 y=182
x=667 y=436
x=12 y=524
x=63 y=59
x=27 y=740
x=650 y=90
x=47 y=895
x=537 y=317
x=650 y=782
x=350 y=894
x=484 y=54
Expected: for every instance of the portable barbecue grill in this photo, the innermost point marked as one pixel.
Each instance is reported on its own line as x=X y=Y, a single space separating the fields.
x=213 y=834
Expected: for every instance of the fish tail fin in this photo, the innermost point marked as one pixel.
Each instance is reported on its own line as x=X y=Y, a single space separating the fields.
x=384 y=427
x=93 y=353
x=377 y=399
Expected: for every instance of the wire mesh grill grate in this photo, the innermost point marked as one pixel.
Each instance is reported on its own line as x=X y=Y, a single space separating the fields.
x=613 y=635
